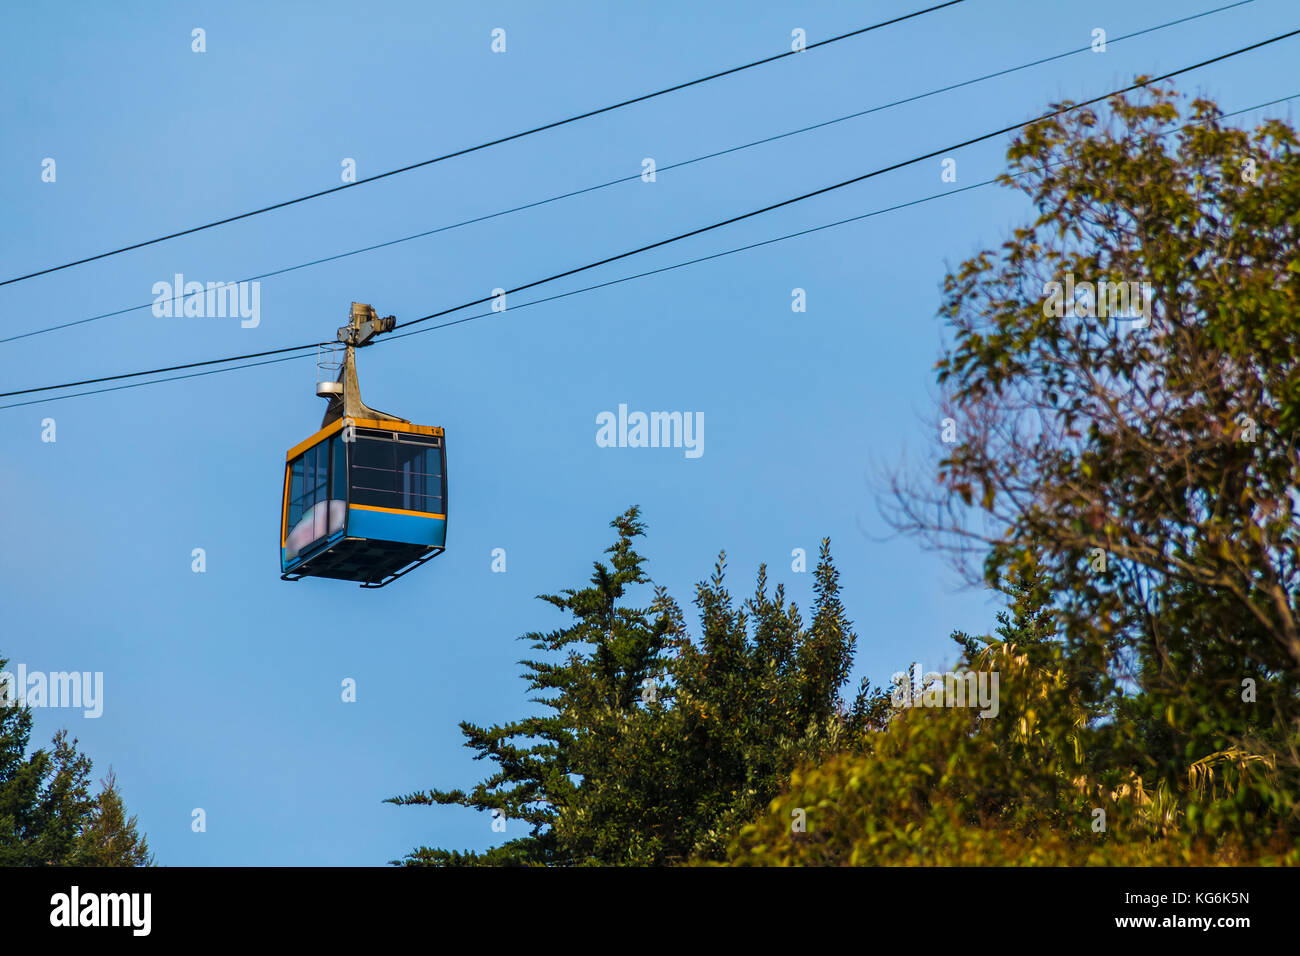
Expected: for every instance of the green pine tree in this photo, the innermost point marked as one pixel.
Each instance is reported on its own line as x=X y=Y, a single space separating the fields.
x=108 y=837
x=1029 y=622
x=47 y=815
x=657 y=746
x=604 y=657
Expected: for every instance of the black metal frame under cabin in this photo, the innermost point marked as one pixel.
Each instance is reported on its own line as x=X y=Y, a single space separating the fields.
x=363 y=551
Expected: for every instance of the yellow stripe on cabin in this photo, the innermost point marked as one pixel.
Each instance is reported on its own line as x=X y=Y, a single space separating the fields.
x=399 y=511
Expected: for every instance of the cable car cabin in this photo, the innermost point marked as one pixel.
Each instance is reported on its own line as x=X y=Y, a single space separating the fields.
x=365 y=498
x=364 y=503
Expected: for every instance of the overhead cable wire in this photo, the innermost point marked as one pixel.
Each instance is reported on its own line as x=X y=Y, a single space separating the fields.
x=481 y=146
x=621 y=279
x=636 y=176
x=700 y=230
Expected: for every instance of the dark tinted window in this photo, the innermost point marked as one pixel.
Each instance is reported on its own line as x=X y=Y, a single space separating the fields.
x=296 y=483
x=339 y=469
x=373 y=472
x=310 y=483
x=392 y=473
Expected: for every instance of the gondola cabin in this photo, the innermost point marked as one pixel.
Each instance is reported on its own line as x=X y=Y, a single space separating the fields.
x=365 y=498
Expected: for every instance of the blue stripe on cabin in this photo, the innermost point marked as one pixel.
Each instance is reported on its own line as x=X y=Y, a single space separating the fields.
x=383 y=526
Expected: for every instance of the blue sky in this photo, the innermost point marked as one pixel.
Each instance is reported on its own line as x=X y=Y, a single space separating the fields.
x=222 y=689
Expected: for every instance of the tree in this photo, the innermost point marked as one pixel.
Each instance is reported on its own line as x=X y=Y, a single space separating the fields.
x=1145 y=459
x=757 y=695
x=655 y=746
x=1029 y=622
x=538 y=758
x=47 y=815
x=944 y=786
x=109 y=837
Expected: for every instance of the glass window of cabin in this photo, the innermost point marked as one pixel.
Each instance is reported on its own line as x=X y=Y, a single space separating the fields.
x=322 y=473
x=373 y=472
x=338 y=469
x=316 y=476
x=419 y=477
x=297 y=480
x=397 y=470
x=308 y=479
